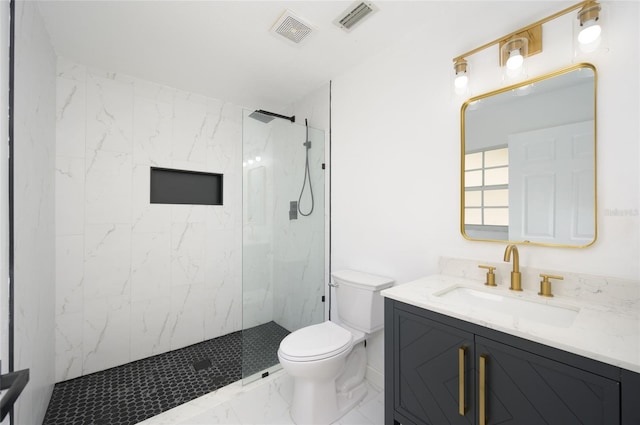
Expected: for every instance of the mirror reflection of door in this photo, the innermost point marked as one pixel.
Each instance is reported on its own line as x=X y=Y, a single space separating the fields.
x=551 y=178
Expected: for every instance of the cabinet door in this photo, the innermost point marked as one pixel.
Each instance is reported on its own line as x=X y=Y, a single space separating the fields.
x=430 y=358
x=526 y=389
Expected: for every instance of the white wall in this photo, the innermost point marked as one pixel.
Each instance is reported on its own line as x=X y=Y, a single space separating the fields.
x=136 y=279
x=397 y=158
x=396 y=152
x=34 y=225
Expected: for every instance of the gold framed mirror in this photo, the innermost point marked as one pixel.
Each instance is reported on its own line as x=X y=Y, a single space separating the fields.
x=528 y=161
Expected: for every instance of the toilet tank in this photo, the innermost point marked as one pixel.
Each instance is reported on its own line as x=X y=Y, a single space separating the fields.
x=360 y=304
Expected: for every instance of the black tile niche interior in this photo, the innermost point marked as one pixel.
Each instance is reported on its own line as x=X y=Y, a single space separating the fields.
x=170 y=186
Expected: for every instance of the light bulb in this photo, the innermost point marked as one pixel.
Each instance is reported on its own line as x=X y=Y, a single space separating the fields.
x=461 y=80
x=515 y=60
x=590 y=29
x=258 y=158
x=244 y=163
x=250 y=161
x=590 y=32
x=461 y=77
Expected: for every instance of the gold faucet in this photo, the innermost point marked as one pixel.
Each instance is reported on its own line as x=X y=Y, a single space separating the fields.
x=515 y=274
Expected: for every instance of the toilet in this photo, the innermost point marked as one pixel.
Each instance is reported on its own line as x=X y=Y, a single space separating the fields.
x=328 y=361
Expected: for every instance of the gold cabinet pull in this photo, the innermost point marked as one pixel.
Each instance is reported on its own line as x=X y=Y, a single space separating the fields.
x=482 y=390
x=462 y=408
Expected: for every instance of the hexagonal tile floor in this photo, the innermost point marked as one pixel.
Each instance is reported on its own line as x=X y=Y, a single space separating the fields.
x=130 y=393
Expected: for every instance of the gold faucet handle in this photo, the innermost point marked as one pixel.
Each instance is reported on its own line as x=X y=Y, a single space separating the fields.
x=491 y=277
x=545 y=284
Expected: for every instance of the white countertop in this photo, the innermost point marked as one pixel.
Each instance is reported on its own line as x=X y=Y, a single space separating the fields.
x=607 y=333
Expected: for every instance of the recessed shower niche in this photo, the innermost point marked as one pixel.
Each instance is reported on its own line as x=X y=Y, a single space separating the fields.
x=170 y=186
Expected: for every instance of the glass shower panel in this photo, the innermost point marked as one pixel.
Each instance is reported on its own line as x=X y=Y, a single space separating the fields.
x=283 y=265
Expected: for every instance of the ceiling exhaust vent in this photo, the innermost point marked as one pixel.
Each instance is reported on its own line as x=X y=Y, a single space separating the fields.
x=294 y=29
x=355 y=15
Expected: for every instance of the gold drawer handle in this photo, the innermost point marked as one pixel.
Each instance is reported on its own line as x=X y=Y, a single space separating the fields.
x=462 y=408
x=483 y=391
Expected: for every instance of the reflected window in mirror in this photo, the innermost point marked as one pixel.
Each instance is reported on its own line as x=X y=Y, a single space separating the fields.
x=486 y=191
x=528 y=161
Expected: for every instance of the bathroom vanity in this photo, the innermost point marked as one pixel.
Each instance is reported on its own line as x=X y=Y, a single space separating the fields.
x=457 y=352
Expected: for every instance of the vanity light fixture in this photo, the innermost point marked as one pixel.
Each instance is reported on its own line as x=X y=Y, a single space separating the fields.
x=461 y=79
x=516 y=50
x=527 y=41
x=589 y=17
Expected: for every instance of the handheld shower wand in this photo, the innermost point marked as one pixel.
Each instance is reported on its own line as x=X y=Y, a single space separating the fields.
x=307 y=173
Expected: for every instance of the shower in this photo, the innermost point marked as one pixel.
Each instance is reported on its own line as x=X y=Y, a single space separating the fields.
x=283 y=259
x=266 y=117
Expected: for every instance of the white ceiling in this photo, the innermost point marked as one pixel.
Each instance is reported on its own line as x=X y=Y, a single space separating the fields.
x=224 y=49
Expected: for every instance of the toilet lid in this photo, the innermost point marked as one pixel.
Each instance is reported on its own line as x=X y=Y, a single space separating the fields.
x=316 y=342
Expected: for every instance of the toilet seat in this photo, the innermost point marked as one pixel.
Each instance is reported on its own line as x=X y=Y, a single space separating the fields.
x=315 y=342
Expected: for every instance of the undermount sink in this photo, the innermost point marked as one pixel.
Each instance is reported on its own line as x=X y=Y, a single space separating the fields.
x=557 y=315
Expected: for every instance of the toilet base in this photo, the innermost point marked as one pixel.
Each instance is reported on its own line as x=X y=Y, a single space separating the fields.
x=305 y=408
x=334 y=405
x=325 y=401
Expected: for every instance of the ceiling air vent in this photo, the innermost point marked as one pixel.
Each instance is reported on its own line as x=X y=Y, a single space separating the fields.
x=355 y=15
x=292 y=28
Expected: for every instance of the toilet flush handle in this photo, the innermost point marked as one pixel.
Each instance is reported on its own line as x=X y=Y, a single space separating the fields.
x=333 y=285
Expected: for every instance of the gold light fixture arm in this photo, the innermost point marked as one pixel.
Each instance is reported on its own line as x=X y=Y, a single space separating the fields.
x=522 y=30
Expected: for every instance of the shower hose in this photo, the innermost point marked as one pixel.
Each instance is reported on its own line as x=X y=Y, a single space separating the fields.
x=307 y=174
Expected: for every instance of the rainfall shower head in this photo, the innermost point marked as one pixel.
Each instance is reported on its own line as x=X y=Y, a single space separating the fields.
x=256 y=115
x=266 y=116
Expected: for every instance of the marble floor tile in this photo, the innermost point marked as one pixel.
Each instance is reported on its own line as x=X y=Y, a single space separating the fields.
x=262 y=402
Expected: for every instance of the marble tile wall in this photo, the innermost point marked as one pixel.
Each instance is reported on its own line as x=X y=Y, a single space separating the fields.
x=258 y=199
x=135 y=279
x=34 y=234
x=299 y=268
x=284 y=263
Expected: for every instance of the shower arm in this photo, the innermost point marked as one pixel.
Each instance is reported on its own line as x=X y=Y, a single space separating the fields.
x=273 y=114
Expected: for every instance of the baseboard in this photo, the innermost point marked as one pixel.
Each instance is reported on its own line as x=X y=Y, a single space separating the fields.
x=375 y=377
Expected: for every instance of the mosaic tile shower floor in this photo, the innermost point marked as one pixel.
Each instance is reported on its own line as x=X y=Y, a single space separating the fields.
x=133 y=392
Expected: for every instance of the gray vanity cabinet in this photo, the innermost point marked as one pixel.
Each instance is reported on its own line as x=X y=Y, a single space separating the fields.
x=440 y=370
x=432 y=358
x=527 y=389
